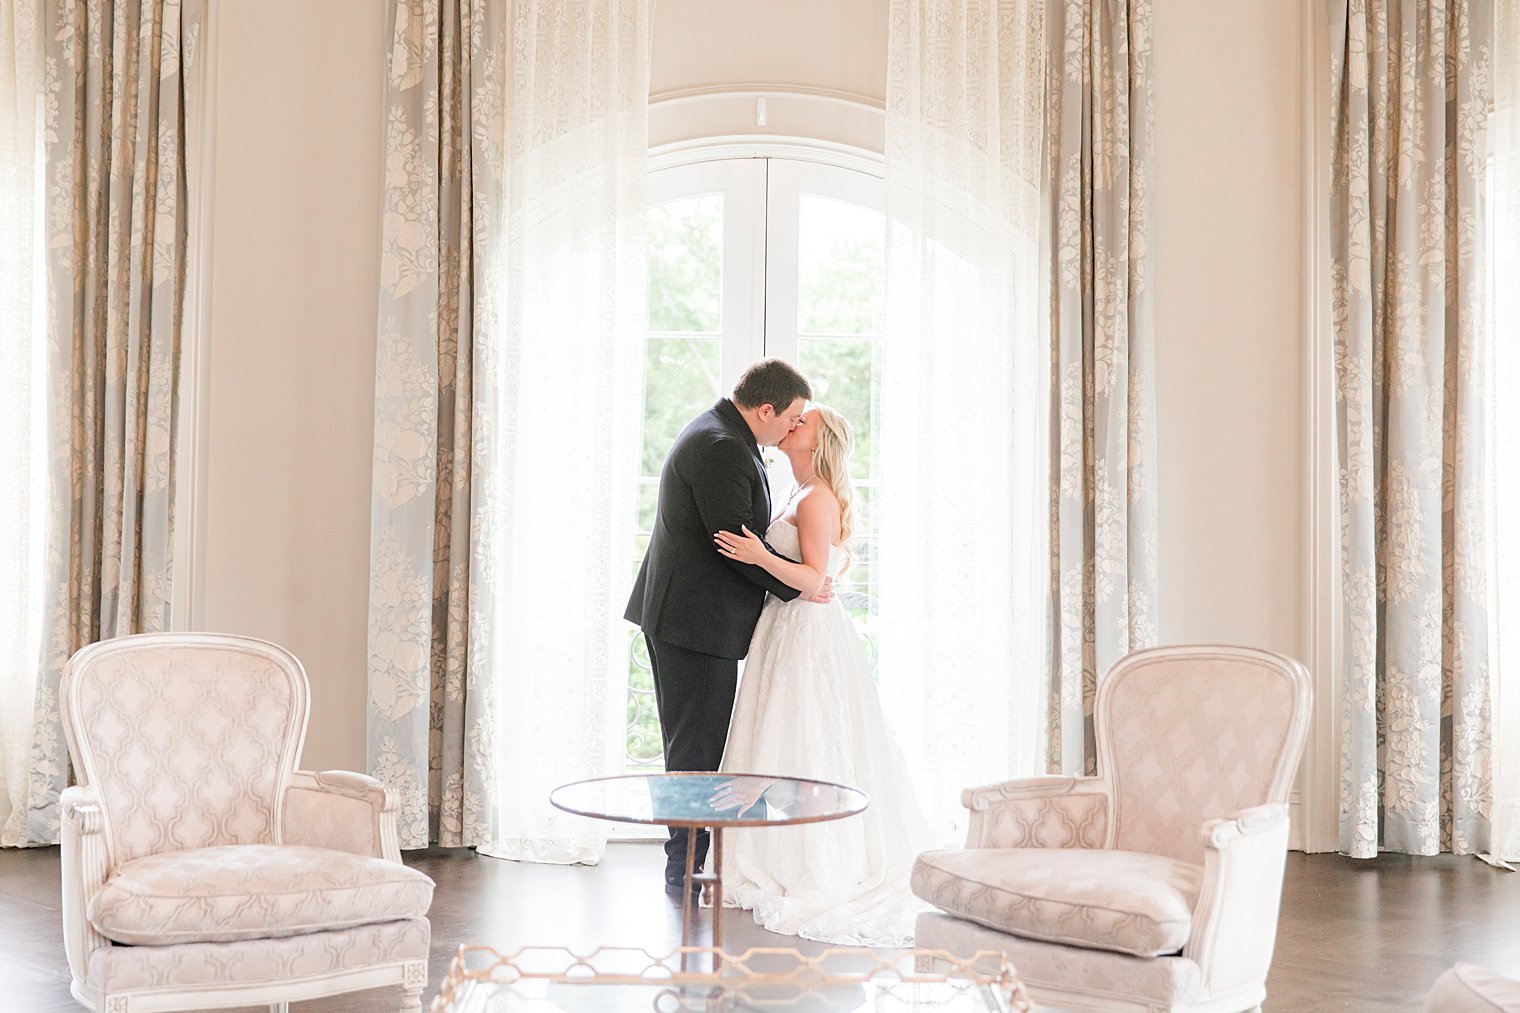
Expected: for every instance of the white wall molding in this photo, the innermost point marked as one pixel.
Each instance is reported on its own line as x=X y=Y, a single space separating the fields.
x=1319 y=774
x=731 y=88
x=188 y=596
x=802 y=149
x=704 y=116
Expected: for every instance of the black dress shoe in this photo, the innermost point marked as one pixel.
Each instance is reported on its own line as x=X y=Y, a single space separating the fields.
x=675 y=887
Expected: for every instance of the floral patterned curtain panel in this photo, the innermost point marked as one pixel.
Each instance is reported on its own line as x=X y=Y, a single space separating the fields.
x=116 y=234
x=1411 y=100
x=1099 y=126
x=508 y=397
x=420 y=516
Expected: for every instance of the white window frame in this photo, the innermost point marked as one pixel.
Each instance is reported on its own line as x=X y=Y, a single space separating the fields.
x=761 y=183
x=788 y=180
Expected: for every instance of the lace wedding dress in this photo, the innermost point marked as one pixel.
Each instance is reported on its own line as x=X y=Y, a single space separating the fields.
x=807 y=707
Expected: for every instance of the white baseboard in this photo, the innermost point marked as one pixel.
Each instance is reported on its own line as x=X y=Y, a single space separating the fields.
x=1295 y=821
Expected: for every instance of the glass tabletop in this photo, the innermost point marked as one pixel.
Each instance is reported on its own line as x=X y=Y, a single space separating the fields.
x=709 y=800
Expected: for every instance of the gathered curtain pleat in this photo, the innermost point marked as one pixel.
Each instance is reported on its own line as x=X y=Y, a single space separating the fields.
x=508 y=392
x=1410 y=106
x=421 y=705
x=1098 y=274
x=116 y=232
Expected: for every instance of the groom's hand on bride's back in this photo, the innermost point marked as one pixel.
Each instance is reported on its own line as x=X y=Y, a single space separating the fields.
x=824 y=594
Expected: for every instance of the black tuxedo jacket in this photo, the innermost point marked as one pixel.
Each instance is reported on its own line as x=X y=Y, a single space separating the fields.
x=687 y=593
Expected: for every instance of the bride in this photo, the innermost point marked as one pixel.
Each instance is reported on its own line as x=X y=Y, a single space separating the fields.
x=807 y=707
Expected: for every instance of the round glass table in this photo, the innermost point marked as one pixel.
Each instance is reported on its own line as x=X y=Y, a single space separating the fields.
x=715 y=802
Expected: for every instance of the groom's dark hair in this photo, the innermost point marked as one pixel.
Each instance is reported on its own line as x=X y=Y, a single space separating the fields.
x=772 y=382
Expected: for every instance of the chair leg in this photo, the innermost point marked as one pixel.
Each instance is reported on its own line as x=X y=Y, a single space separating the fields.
x=279 y=1007
x=414 y=978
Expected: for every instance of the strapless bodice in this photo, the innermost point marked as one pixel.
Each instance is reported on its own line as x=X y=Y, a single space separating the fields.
x=782 y=536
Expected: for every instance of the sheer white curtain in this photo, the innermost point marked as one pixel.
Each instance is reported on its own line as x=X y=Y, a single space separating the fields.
x=508 y=399
x=23 y=467
x=1504 y=332
x=558 y=399
x=964 y=495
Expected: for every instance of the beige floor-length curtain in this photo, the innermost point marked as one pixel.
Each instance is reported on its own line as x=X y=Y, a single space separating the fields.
x=1097 y=221
x=508 y=393
x=1410 y=97
x=116 y=233
x=422 y=706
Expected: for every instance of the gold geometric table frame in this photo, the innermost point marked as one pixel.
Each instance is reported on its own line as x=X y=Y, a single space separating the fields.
x=757 y=978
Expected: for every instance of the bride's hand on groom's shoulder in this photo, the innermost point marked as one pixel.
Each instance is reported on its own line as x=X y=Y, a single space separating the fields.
x=745 y=548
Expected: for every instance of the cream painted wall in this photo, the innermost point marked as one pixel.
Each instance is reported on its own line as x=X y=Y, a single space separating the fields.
x=838 y=46
x=294 y=258
x=1229 y=256
x=788 y=51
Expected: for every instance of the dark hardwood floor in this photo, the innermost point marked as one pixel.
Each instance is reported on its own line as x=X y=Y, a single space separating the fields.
x=1353 y=935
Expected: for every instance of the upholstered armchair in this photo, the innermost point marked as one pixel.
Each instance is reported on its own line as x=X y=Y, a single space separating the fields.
x=1154 y=885
x=201 y=869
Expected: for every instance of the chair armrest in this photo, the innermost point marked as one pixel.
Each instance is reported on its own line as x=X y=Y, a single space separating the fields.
x=341 y=810
x=1038 y=812
x=1235 y=917
x=357 y=786
x=84 y=869
x=1258 y=819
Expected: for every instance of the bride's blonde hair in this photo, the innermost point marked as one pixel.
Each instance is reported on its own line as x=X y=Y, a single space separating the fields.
x=831 y=466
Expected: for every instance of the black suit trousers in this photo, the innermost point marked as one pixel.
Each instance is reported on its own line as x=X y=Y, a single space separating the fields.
x=694 y=694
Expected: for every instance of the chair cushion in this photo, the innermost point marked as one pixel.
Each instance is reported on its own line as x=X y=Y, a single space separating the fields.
x=1151 y=983
x=252 y=891
x=1467 y=988
x=259 y=963
x=1123 y=901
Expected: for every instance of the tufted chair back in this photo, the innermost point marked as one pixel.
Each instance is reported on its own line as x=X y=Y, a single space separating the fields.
x=189 y=738
x=1188 y=734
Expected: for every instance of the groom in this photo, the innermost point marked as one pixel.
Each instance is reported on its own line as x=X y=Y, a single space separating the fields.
x=698 y=609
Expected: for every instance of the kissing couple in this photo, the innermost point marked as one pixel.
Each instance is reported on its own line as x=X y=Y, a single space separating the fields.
x=729 y=576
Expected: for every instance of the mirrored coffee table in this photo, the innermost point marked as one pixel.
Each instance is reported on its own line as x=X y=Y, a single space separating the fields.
x=542 y=979
x=708 y=801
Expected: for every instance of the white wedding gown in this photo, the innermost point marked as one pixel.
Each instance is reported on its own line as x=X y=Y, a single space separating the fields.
x=807 y=707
